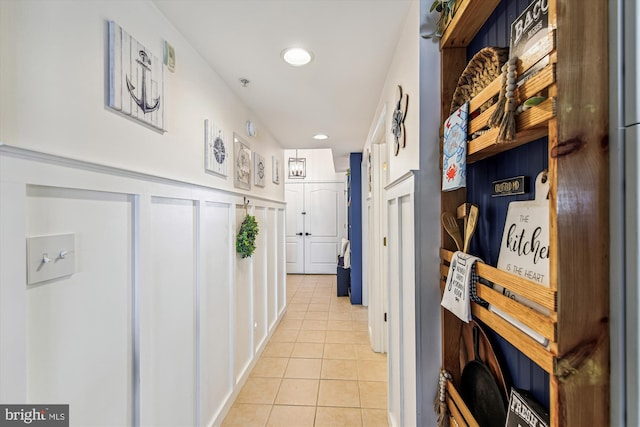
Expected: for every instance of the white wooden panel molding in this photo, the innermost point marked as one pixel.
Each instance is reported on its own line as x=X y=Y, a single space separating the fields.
x=244 y=311
x=260 y=292
x=184 y=280
x=272 y=268
x=216 y=297
x=13 y=298
x=172 y=331
x=401 y=279
x=282 y=263
x=79 y=322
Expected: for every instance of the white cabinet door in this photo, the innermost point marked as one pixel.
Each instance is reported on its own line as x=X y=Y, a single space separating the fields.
x=294 y=196
x=316 y=224
x=324 y=226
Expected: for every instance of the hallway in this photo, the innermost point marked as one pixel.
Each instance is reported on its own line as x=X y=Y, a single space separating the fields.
x=318 y=369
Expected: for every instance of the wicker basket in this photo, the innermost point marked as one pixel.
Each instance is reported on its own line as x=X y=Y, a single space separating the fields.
x=484 y=67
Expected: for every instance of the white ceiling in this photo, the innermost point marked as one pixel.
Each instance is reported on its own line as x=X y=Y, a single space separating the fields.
x=336 y=94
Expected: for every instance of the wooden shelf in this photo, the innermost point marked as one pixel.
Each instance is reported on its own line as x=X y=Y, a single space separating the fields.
x=533 y=291
x=469 y=17
x=540 y=323
x=571 y=72
x=531 y=124
x=458 y=409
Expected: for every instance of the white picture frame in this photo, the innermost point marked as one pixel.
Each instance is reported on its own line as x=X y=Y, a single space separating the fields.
x=275 y=170
x=216 y=152
x=242 y=163
x=259 y=170
x=136 y=80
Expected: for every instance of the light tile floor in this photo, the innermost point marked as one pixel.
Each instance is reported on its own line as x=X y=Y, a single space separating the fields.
x=318 y=369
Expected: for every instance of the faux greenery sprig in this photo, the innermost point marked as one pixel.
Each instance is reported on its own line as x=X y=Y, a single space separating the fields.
x=246 y=239
x=446 y=9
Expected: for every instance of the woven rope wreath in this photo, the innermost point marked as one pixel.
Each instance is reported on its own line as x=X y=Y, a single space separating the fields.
x=484 y=67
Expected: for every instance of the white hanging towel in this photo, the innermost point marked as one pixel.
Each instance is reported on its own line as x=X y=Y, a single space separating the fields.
x=347 y=255
x=343 y=246
x=460 y=288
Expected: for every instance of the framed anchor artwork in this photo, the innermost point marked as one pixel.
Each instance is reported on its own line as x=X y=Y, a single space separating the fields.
x=136 y=79
x=216 y=153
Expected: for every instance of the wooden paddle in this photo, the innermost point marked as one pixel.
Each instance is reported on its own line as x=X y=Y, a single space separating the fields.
x=450 y=224
x=470 y=227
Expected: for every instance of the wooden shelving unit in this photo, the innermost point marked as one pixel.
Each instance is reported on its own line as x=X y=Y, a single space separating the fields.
x=574 y=118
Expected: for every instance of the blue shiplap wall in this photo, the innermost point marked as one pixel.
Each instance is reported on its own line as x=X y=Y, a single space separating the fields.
x=526 y=160
x=355 y=226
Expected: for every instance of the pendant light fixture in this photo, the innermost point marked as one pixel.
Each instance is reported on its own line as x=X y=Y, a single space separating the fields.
x=297 y=166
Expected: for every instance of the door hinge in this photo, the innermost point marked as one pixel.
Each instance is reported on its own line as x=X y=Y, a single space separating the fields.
x=384 y=241
x=385 y=317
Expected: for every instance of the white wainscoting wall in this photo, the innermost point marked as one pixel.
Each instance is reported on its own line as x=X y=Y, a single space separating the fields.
x=400 y=197
x=162 y=320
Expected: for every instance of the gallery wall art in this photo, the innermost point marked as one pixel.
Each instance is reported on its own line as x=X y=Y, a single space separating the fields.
x=242 y=165
x=259 y=170
x=136 y=79
x=275 y=170
x=215 y=149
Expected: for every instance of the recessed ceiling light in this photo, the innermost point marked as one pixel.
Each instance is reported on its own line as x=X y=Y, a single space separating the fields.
x=296 y=56
x=320 y=136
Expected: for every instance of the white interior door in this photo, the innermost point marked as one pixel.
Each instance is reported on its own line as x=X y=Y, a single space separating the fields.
x=294 y=196
x=324 y=213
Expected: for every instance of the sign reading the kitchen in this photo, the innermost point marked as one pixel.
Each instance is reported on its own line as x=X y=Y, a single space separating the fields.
x=525 y=241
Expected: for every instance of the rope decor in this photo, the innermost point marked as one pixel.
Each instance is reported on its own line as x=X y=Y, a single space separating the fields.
x=440 y=403
x=504 y=114
x=484 y=67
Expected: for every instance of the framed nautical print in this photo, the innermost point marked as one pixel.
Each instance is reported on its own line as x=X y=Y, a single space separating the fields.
x=242 y=163
x=215 y=149
x=259 y=170
x=136 y=79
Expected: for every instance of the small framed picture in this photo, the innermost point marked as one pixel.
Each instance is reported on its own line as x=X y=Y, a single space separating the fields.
x=259 y=170
x=242 y=166
x=215 y=148
x=275 y=170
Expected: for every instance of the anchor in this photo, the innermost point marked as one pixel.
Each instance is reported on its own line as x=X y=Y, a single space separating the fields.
x=142 y=102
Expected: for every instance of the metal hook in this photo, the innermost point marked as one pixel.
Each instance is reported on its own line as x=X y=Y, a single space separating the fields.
x=246 y=206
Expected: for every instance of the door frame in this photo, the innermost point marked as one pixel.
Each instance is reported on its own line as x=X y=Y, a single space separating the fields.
x=377 y=260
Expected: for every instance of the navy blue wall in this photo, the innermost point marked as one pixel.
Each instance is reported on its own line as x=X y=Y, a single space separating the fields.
x=526 y=160
x=355 y=226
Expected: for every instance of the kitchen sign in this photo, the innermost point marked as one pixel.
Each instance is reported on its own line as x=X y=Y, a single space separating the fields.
x=524 y=250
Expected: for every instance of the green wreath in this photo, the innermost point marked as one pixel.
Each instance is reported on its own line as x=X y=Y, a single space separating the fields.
x=246 y=239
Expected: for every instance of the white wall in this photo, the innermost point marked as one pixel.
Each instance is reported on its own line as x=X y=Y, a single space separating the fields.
x=54 y=84
x=320 y=167
x=404 y=71
x=162 y=320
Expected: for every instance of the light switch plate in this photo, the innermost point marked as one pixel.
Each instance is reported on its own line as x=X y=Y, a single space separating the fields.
x=50 y=257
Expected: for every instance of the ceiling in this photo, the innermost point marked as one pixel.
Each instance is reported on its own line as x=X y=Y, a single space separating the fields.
x=352 y=41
